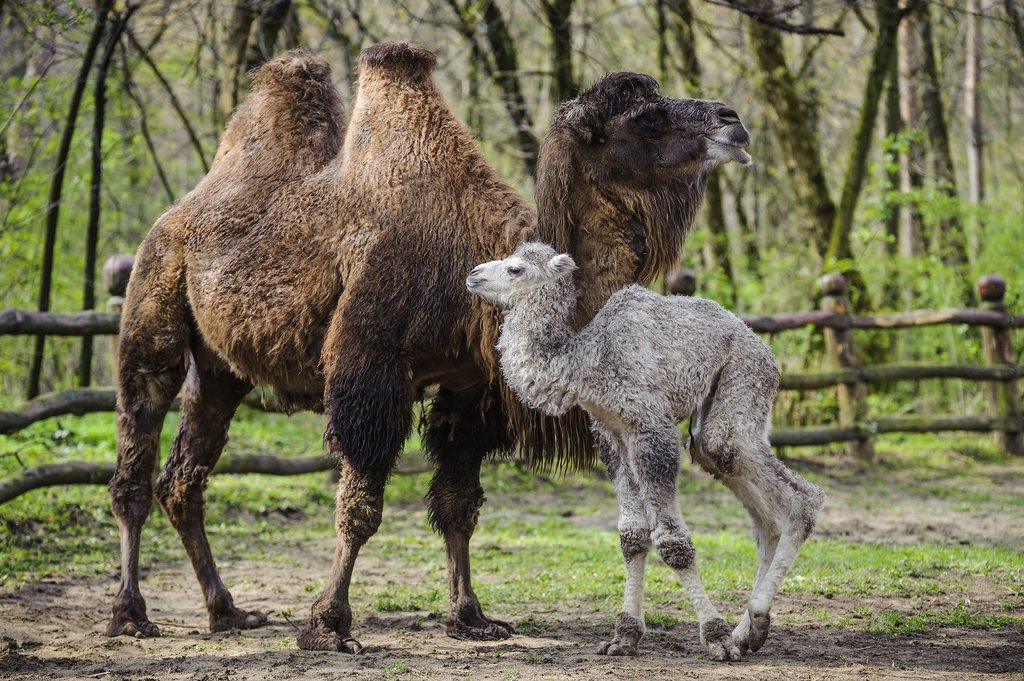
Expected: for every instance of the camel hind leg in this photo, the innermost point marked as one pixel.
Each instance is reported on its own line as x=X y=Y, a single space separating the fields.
x=461 y=430
x=211 y=395
x=153 y=359
x=731 y=442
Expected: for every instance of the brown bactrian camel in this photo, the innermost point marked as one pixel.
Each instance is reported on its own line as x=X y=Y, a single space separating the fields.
x=328 y=264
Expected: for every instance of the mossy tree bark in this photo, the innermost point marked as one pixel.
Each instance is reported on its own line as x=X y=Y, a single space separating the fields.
x=947 y=241
x=717 y=254
x=801 y=150
x=856 y=165
x=559 y=14
x=501 y=63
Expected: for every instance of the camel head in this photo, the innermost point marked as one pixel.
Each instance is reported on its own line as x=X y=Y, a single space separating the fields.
x=629 y=134
x=621 y=175
x=531 y=266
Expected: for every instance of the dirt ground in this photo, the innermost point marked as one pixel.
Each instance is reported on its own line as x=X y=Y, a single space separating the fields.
x=54 y=629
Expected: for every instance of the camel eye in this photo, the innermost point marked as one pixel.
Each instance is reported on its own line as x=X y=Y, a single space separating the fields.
x=515 y=271
x=652 y=119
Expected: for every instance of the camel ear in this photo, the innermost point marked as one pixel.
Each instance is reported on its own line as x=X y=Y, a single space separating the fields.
x=562 y=264
x=584 y=121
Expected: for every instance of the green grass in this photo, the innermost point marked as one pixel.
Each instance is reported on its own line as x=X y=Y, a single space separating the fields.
x=543 y=542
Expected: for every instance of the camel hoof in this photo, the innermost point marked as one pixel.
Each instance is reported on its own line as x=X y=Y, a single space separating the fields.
x=617 y=648
x=759 y=625
x=717 y=638
x=122 y=626
x=237 y=619
x=480 y=629
x=321 y=638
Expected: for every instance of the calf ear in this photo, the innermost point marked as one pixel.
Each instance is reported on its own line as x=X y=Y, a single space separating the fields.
x=562 y=264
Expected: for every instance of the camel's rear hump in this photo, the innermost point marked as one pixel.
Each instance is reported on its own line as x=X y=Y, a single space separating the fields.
x=290 y=125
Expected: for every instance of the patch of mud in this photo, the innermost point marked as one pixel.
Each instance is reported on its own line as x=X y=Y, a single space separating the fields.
x=55 y=630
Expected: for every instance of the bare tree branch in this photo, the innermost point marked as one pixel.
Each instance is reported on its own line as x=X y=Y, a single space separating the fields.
x=772 y=18
x=129 y=87
x=175 y=103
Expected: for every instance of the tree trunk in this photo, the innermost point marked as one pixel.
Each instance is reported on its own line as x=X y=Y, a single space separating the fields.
x=1013 y=14
x=972 y=119
x=801 y=152
x=911 y=225
x=57 y=187
x=236 y=47
x=558 y=14
x=947 y=241
x=686 y=43
x=273 y=17
x=502 y=66
x=856 y=165
x=717 y=253
x=896 y=211
x=95 y=200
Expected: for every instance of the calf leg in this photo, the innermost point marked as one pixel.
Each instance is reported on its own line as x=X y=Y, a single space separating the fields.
x=784 y=508
x=208 y=402
x=655 y=455
x=461 y=429
x=635 y=542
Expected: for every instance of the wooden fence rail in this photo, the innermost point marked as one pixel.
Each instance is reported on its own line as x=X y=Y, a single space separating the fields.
x=849 y=377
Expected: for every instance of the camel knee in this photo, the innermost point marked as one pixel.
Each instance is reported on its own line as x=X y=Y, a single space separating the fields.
x=634 y=542
x=180 y=490
x=131 y=497
x=359 y=507
x=455 y=507
x=677 y=551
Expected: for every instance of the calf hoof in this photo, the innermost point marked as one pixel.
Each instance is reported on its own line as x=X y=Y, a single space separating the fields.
x=479 y=628
x=125 y=625
x=236 y=619
x=717 y=638
x=322 y=638
x=628 y=632
x=759 y=625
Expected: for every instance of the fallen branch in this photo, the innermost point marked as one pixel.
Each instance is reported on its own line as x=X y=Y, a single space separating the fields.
x=84 y=473
x=80 y=401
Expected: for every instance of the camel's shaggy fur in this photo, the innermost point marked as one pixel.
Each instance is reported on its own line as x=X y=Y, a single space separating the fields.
x=640 y=367
x=327 y=262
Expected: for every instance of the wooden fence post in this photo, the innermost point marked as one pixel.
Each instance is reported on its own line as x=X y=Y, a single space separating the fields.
x=116 y=272
x=853 y=399
x=682 y=282
x=1003 y=399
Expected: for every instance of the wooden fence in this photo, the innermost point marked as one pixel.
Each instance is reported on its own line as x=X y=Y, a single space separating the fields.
x=849 y=377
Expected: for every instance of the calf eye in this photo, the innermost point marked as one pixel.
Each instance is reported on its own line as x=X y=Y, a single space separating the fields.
x=515 y=271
